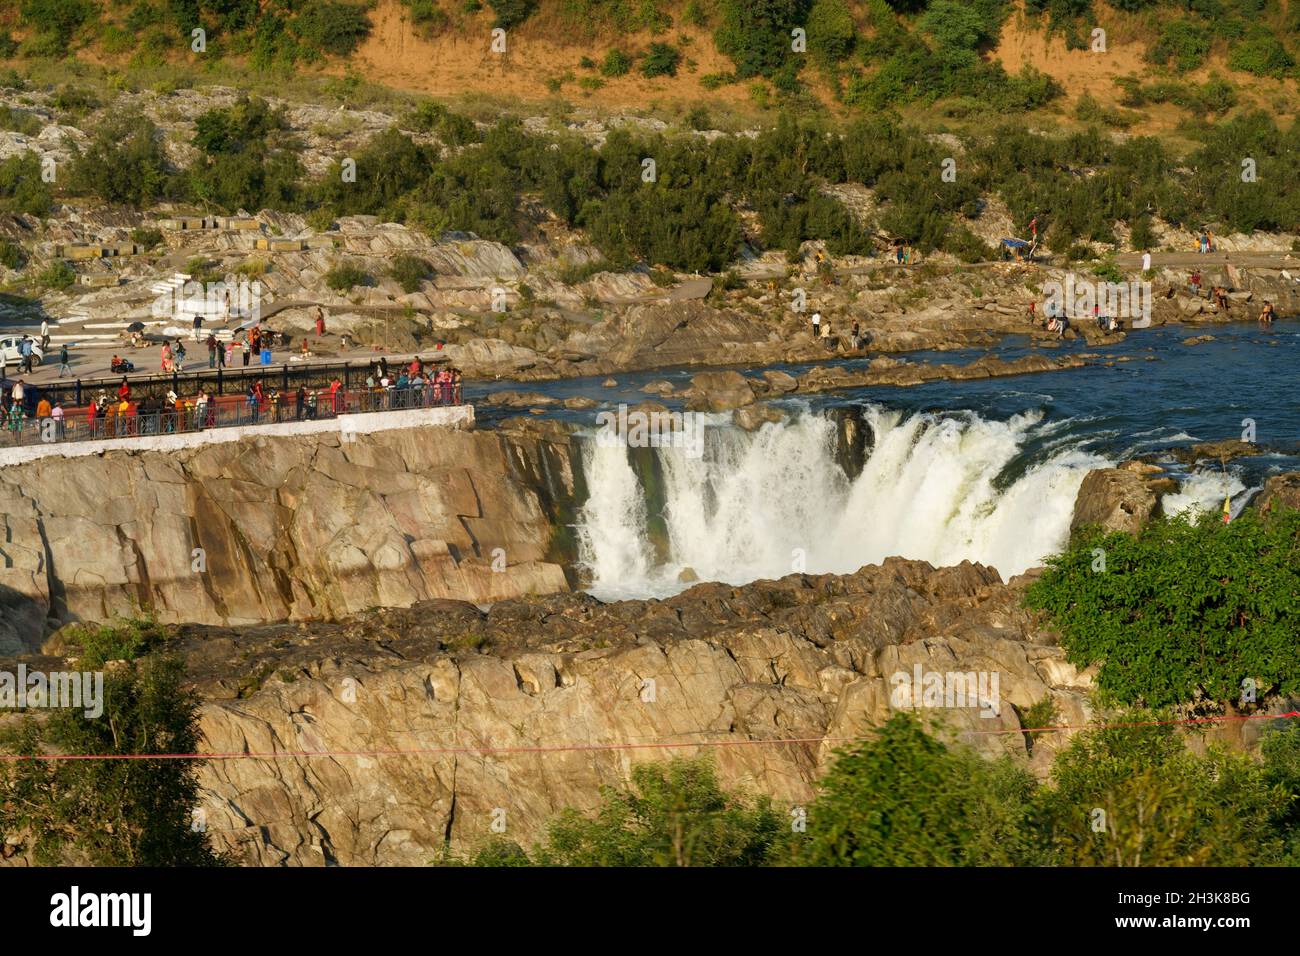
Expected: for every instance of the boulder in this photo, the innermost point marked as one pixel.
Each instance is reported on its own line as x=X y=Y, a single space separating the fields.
x=1115 y=500
x=719 y=391
x=1279 y=491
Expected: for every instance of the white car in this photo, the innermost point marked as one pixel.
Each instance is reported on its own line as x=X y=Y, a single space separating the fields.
x=12 y=355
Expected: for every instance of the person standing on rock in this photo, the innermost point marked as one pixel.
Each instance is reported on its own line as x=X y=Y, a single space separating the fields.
x=320 y=322
x=816 y=324
x=856 y=336
x=1146 y=262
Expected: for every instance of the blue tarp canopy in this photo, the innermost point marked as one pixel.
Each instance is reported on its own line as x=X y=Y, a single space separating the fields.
x=1015 y=243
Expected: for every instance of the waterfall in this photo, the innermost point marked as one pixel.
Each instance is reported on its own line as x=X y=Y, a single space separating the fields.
x=765 y=503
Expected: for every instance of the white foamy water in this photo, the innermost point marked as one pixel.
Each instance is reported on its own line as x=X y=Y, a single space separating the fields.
x=757 y=503
x=1205 y=490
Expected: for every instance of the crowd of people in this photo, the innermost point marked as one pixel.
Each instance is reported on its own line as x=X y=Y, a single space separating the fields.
x=125 y=413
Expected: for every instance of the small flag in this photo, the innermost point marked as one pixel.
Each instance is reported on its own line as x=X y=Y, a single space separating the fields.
x=1227 y=510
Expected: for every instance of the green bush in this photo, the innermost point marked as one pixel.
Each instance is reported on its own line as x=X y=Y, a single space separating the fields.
x=1261 y=54
x=125 y=163
x=1183 y=43
x=511 y=13
x=123 y=812
x=1161 y=805
x=60 y=19
x=454 y=129
x=146 y=237
x=1183 y=611
x=21 y=187
x=20 y=121
x=57 y=275
x=616 y=63
x=902 y=798
x=674 y=814
x=249 y=159
x=755 y=34
x=12 y=255
x=831 y=31
x=409 y=271
x=343 y=277
x=331 y=26
x=661 y=60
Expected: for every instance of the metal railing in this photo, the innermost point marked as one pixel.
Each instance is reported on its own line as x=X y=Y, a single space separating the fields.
x=153 y=417
x=220 y=380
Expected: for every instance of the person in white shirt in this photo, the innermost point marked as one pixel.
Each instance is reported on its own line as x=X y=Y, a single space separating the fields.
x=816 y=324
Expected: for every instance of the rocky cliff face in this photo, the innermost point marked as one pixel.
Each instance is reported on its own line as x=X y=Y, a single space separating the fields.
x=565 y=694
x=279 y=528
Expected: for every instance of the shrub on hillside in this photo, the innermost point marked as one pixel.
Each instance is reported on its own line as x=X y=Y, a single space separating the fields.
x=616 y=63
x=59 y=19
x=409 y=272
x=755 y=34
x=22 y=189
x=1261 y=54
x=831 y=31
x=511 y=13
x=1183 y=44
x=343 y=277
x=661 y=60
x=332 y=26
x=125 y=163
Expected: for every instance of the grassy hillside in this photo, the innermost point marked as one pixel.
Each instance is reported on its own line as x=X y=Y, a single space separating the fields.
x=1160 y=62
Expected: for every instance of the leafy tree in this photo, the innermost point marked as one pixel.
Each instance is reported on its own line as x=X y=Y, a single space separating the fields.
x=59 y=19
x=1184 y=610
x=1136 y=796
x=902 y=798
x=674 y=814
x=125 y=163
x=110 y=812
x=661 y=60
x=21 y=187
x=511 y=13
x=831 y=31
x=332 y=26
x=249 y=160
x=755 y=34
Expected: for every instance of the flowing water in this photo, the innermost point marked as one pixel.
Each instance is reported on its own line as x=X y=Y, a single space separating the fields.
x=985 y=470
